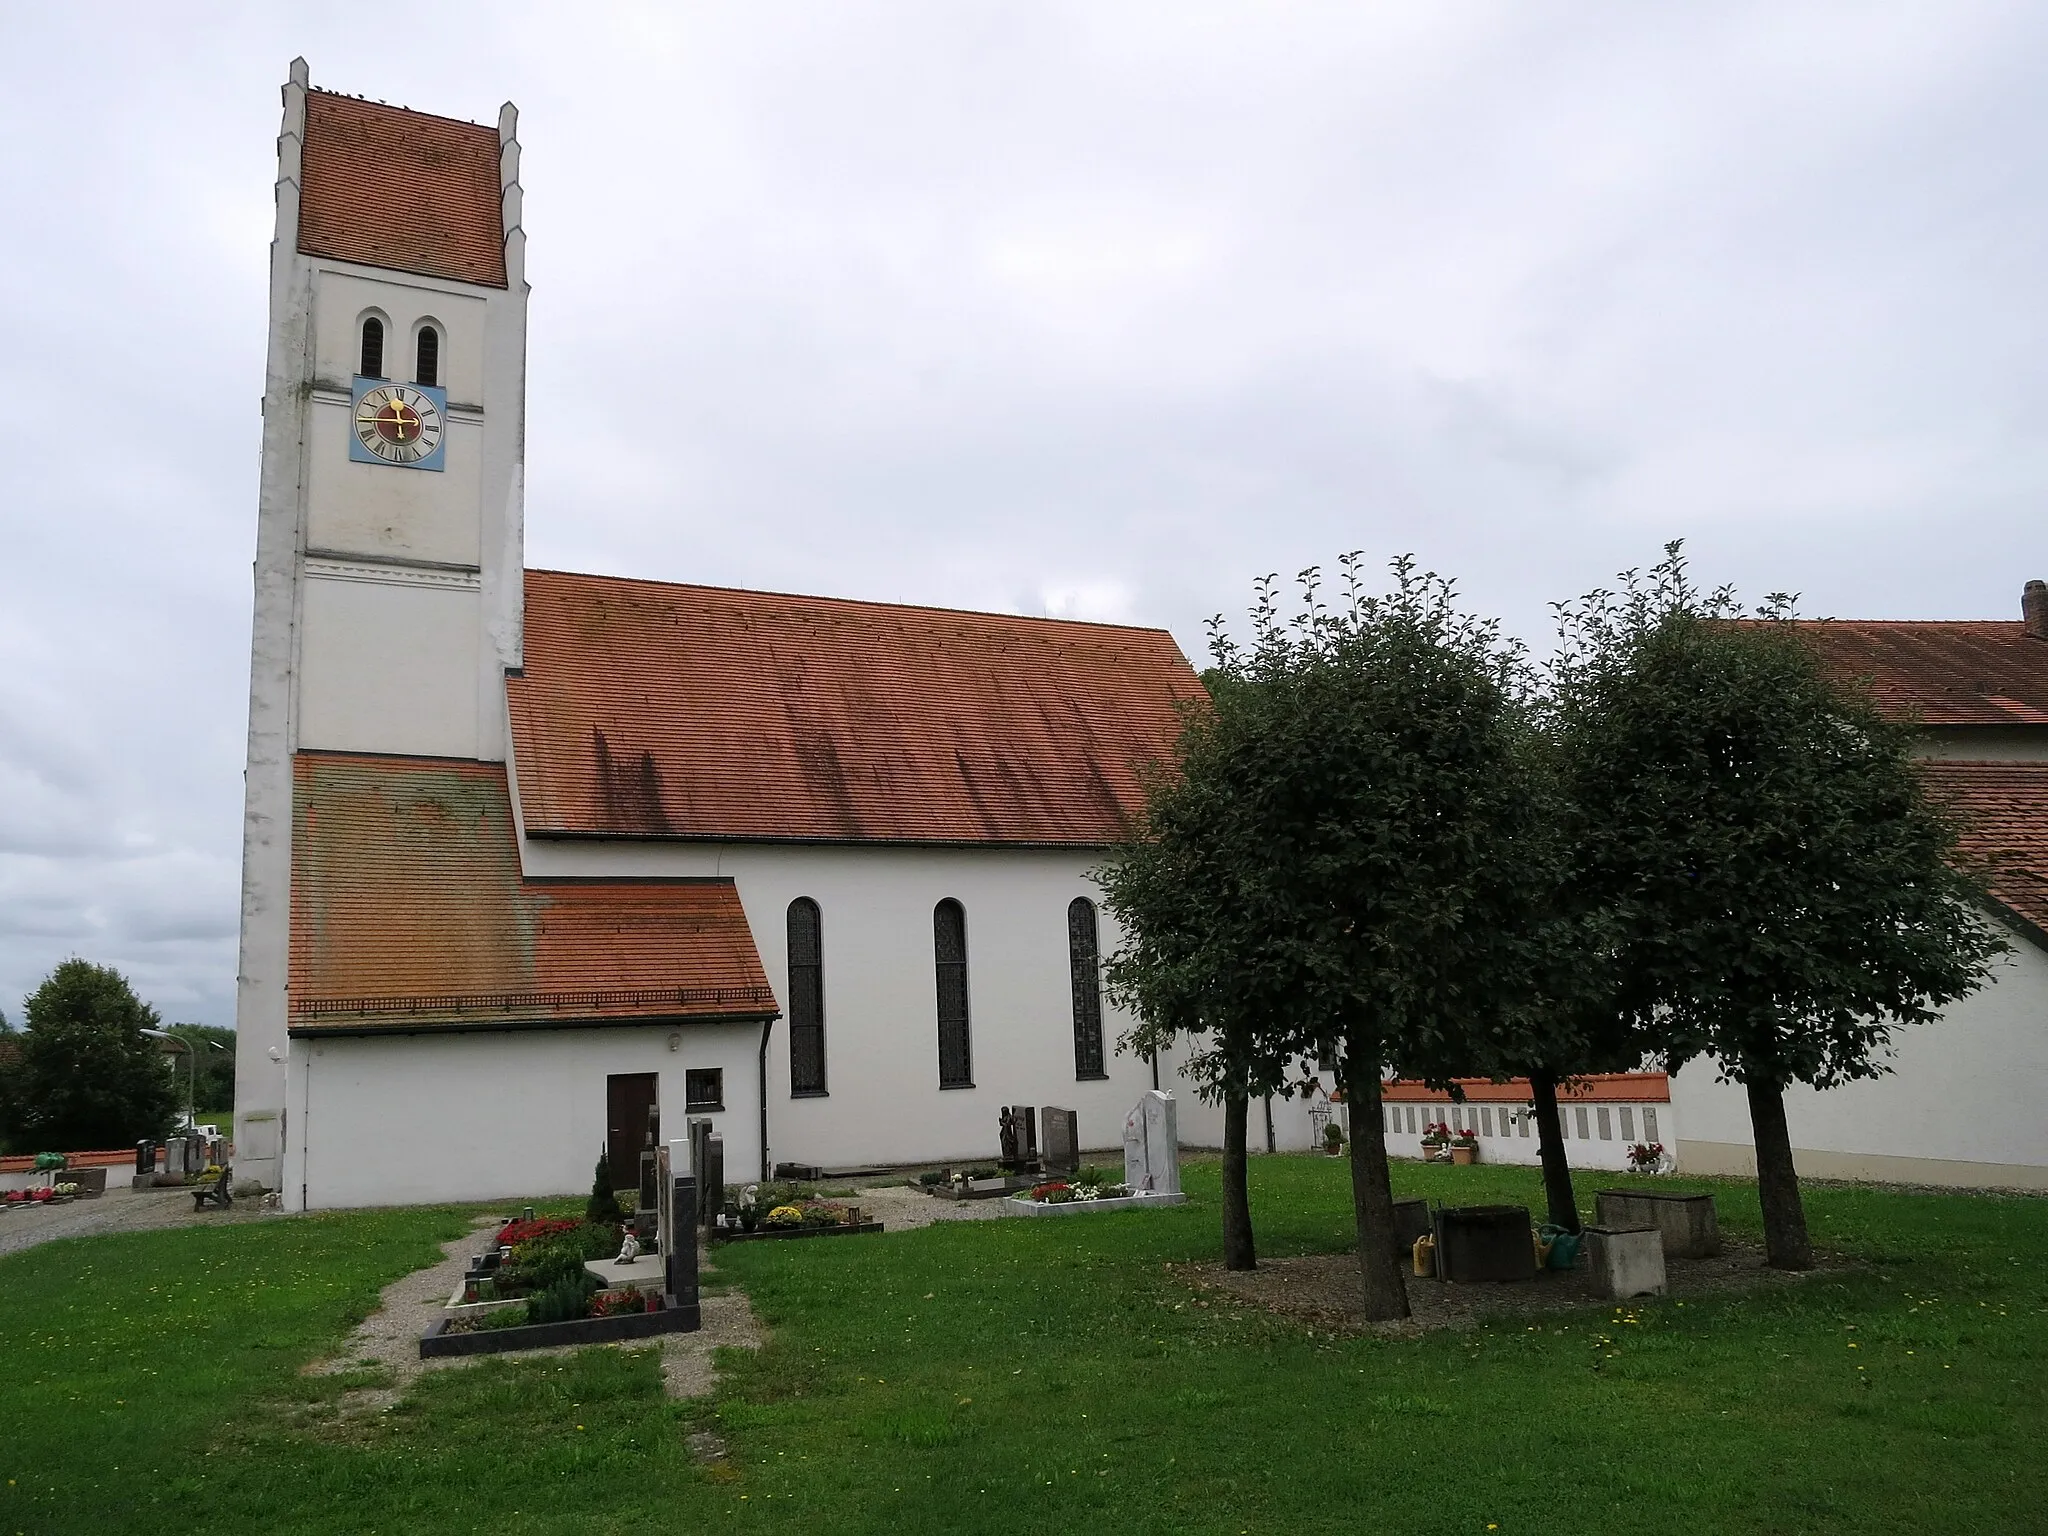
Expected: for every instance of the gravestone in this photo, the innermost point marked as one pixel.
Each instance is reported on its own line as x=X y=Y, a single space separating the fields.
x=145 y=1157
x=650 y=1186
x=1019 y=1132
x=711 y=1179
x=1691 y=1229
x=678 y=1235
x=1062 y=1140
x=1152 y=1145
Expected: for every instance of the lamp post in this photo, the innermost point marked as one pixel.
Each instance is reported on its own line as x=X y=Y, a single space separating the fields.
x=192 y=1077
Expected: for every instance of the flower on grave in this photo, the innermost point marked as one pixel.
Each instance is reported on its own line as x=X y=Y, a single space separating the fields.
x=1436 y=1131
x=1056 y=1192
x=1640 y=1156
x=786 y=1216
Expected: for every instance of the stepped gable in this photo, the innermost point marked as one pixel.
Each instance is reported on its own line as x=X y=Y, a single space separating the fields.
x=409 y=912
x=655 y=710
x=389 y=187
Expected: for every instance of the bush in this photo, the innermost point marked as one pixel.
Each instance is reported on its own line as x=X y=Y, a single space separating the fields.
x=604 y=1201
x=564 y=1301
x=1091 y=1177
x=936 y=1176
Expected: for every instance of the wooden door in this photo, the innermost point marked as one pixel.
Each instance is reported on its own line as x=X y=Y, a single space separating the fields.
x=628 y=1096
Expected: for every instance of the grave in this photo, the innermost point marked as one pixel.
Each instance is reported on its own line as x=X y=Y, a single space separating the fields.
x=1062 y=1139
x=650 y=1186
x=1625 y=1262
x=1690 y=1227
x=1152 y=1145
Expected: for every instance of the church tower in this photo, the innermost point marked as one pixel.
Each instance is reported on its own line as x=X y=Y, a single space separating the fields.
x=389 y=546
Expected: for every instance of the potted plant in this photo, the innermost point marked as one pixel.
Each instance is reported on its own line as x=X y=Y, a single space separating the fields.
x=1436 y=1140
x=1646 y=1159
x=1333 y=1139
x=1464 y=1147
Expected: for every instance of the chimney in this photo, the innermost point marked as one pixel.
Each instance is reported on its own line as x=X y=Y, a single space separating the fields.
x=2034 y=608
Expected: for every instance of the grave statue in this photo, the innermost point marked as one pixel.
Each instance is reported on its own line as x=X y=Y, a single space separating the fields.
x=1009 y=1130
x=629 y=1250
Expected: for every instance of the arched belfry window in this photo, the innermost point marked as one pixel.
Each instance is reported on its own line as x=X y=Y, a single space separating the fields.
x=806 y=999
x=373 y=349
x=949 y=952
x=1084 y=964
x=427 y=369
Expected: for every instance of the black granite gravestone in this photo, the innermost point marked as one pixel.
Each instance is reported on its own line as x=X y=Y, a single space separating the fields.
x=1062 y=1139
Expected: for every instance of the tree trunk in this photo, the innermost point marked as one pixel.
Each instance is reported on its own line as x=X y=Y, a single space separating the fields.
x=1786 y=1245
x=1239 y=1250
x=1372 y=1196
x=1557 y=1168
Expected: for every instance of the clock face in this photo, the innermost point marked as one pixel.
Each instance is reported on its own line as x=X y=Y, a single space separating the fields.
x=398 y=424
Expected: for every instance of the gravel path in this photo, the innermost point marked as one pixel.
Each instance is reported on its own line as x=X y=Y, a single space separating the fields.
x=901 y=1209
x=118 y=1210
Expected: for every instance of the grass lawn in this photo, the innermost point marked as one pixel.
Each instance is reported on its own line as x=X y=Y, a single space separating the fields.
x=1042 y=1376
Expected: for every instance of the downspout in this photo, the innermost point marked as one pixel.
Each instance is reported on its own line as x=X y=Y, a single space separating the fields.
x=761 y=1077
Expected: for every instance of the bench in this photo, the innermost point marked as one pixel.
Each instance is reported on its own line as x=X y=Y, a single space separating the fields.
x=214 y=1192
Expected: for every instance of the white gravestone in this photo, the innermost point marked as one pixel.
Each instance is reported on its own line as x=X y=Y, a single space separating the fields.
x=1152 y=1145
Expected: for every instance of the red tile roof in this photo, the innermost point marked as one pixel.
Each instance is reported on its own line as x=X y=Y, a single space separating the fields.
x=392 y=188
x=1946 y=673
x=2004 y=810
x=648 y=709
x=1600 y=1088
x=409 y=911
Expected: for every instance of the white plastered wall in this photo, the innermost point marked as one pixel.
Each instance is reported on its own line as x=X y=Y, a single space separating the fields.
x=415 y=1119
x=884 y=1104
x=1961 y=1105
x=1596 y=1136
x=387 y=662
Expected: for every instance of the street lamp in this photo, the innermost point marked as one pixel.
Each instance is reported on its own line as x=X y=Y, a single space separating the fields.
x=192 y=1077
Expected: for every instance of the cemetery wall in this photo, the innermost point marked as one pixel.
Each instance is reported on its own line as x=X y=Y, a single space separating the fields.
x=482 y=1116
x=1959 y=1107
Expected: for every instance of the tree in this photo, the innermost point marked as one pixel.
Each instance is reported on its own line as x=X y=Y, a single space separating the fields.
x=86 y=1076
x=1190 y=966
x=603 y=1205
x=1358 y=872
x=1783 y=891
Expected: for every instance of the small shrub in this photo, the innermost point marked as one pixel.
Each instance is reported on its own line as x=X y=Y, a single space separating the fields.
x=936 y=1176
x=604 y=1201
x=564 y=1301
x=1090 y=1177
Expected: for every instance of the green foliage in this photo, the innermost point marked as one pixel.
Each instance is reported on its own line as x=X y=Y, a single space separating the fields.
x=85 y=1077
x=1348 y=855
x=542 y=1262
x=215 y=1056
x=564 y=1300
x=1779 y=887
x=604 y=1201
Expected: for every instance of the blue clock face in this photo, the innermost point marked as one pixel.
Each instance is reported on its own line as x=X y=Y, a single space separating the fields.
x=404 y=425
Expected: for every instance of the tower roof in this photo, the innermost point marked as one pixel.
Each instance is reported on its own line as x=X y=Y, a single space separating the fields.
x=389 y=187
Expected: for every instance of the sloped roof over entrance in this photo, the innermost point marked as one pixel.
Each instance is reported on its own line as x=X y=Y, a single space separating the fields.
x=1948 y=674
x=654 y=710
x=2003 y=808
x=409 y=912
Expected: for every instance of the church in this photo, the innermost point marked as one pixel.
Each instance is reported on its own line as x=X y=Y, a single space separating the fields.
x=528 y=852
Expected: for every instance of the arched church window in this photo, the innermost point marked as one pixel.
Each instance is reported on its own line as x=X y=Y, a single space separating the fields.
x=428 y=369
x=806 y=999
x=373 y=349
x=949 y=952
x=1084 y=964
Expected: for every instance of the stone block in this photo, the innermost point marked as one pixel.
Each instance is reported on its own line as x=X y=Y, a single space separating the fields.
x=1691 y=1229
x=1062 y=1139
x=1625 y=1262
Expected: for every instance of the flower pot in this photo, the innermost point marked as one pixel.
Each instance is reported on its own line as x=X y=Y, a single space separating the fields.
x=1464 y=1155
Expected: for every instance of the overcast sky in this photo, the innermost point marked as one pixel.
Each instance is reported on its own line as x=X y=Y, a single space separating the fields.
x=1096 y=309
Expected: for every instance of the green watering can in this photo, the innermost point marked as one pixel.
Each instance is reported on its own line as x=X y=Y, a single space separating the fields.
x=1564 y=1246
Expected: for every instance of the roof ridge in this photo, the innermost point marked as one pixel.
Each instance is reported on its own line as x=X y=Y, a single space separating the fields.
x=854 y=602
x=437 y=117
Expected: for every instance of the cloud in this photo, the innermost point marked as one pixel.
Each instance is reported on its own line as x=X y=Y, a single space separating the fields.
x=1078 y=309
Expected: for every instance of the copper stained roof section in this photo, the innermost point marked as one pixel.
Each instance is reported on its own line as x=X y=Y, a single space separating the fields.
x=409 y=912
x=653 y=710
x=1945 y=673
x=2003 y=808
x=393 y=188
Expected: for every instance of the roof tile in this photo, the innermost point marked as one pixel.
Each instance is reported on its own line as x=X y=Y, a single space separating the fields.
x=408 y=905
x=649 y=709
x=2003 y=807
x=1945 y=673
x=388 y=187
x=1597 y=1088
